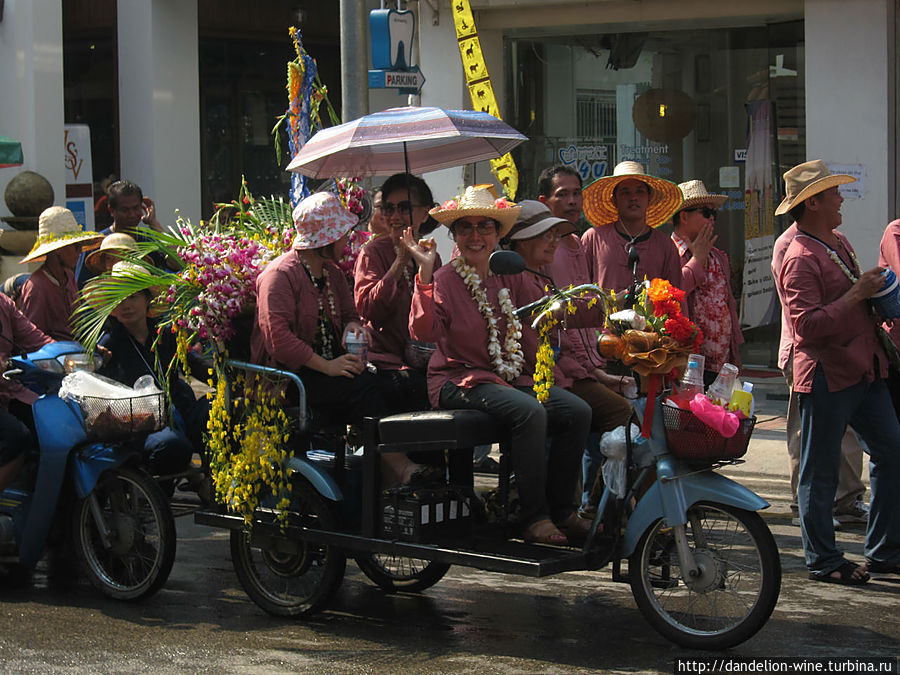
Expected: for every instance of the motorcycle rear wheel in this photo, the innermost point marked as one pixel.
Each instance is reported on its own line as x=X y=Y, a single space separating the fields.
x=142 y=542
x=286 y=576
x=395 y=573
x=737 y=588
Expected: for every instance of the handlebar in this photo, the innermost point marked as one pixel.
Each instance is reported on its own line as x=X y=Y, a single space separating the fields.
x=11 y=375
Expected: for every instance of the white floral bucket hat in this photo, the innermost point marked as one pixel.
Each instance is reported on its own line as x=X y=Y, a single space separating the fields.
x=57 y=228
x=321 y=219
x=478 y=200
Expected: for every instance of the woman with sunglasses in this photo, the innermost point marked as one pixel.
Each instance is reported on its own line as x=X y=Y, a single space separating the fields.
x=706 y=278
x=485 y=359
x=383 y=287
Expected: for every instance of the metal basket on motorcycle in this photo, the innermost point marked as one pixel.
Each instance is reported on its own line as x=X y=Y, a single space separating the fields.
x=111 y=411
x=690 y=438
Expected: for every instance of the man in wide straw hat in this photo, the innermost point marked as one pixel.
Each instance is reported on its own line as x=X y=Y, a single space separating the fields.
x=48 y=297
x=838 y=368
x=624 y=209
x=706 y=277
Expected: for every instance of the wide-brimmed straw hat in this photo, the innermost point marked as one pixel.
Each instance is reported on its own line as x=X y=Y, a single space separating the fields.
x=806 y=180
x=478 y=200
x=117 y=243
x=536 y=218
x=57 y=228
x=696 y=194
x=600 y=208
x=321 y=219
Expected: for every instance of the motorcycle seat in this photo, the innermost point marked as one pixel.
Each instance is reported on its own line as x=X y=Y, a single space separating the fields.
x=445 y=428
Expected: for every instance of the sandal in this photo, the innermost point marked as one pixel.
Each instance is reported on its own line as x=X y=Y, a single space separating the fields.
x=575 y=526
x=846 y=578
x=880 y=567
x=544 y=532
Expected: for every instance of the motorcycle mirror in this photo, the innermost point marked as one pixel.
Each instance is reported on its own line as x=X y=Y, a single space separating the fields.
x=633 y=257
x=506 y=262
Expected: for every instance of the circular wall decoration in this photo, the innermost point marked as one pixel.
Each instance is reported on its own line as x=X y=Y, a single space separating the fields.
x=664 y=114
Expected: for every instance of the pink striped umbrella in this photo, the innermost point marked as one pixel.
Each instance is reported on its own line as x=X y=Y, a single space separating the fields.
x=414 y=140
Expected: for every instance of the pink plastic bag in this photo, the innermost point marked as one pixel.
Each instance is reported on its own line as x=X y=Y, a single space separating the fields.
x=726 y=423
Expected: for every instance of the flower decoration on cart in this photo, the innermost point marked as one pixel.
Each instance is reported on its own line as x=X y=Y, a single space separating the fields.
x=654 y=337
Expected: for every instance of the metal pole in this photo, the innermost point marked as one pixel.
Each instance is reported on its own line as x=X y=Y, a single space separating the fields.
x=354 y=60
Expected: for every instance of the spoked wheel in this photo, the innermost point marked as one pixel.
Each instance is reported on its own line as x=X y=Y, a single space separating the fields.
x=395 y=573
x=135 y=558
x=286 y=576
x=735 y=592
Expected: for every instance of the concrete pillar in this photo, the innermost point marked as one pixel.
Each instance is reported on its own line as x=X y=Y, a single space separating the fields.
x=31 y=82
x=849 y=107
x=159 y=103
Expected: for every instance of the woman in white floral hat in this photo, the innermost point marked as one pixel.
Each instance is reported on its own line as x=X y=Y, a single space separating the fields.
x=485 y=358
x=305 y=312
x=48 y=297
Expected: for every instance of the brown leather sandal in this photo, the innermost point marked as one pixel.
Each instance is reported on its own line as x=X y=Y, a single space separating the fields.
x=544 y=532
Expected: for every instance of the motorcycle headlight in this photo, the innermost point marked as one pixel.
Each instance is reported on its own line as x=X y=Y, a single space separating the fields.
x=79 y=361
x=50 y=365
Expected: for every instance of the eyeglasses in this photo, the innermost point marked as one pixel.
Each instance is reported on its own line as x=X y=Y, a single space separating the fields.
x=484 y=227
x=401 y=208
x=707 y=212
x=551 y=235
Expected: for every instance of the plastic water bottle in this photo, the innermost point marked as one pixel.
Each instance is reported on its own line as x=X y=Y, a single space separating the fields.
x=691 y=382
x=356 y=344
x=720 y=390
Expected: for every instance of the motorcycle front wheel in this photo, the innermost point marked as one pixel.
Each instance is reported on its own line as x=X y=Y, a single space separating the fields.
x=286 y=576
x=135 y=558
x=395 y=573
x=735 y=591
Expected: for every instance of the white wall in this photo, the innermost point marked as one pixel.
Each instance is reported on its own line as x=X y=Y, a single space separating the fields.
x=31 y=89
x=159 y=103
x=848 y=107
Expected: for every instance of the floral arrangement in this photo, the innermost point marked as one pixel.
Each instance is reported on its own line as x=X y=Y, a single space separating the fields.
x=654 y=337
x=499 y=202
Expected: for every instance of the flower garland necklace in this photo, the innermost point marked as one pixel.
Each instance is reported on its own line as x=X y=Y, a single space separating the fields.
x=837 y=259
x=509 y=367
x=322 y=328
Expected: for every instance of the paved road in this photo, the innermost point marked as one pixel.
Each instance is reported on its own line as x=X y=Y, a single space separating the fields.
x=470 y=622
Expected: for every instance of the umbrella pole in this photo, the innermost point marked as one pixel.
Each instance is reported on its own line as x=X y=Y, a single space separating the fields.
x=408 y=193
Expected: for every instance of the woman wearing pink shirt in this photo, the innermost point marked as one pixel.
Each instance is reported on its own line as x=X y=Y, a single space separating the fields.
x=485 y=358
x=304 y=314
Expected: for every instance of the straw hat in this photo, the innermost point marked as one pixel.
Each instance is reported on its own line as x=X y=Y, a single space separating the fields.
x=321 y=219
x=600 y=209
x=695 y=194
x=478 y=200
x=116 y=243
x=535 y=219
x=57 y=227
x=806 y=180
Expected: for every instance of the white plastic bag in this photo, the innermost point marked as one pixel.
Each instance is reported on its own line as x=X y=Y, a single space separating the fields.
x=82 y=383
x=613 y=447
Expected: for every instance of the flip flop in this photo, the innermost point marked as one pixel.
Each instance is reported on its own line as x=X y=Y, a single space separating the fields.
x=846 y=577
x=544 y=532
x=880 y=567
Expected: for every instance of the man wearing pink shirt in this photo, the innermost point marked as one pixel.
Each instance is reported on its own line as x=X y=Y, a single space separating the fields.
x=838 y=369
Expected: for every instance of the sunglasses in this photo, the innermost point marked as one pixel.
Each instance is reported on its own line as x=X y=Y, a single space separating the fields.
x=402 y=208
x=707 y=212
x=484 y=227
x=551 y=235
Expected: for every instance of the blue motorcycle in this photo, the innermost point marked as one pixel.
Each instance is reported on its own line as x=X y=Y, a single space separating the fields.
x=86 y=483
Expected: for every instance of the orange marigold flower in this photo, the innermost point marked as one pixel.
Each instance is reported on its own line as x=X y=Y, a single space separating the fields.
x=667 y=307
x=661 y=289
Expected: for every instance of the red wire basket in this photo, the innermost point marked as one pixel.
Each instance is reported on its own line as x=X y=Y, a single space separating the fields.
x=690 y=438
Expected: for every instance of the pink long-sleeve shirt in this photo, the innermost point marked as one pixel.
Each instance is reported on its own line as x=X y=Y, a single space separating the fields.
x=827 y=330
x=287 y=312
x=786 y=344
x=890 y=257
x=578 y=349
x=16 y=328
x=383 y=301
x=694 y=276
x=605 y=248
x=48 y=303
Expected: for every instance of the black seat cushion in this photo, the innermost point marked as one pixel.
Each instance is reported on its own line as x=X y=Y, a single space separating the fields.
x=455 y=428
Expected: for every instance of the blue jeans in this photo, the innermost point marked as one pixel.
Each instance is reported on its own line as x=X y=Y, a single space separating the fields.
x=824 y=417
x=546 y=486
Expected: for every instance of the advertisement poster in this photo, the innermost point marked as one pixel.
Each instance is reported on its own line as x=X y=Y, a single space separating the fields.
x=759 y=306
x=79 y=174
